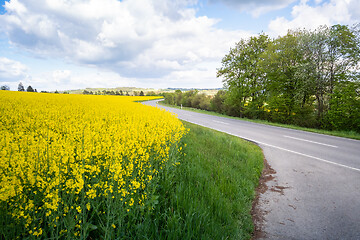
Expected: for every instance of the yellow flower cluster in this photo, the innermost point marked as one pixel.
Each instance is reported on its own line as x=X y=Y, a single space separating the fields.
x=60 y=152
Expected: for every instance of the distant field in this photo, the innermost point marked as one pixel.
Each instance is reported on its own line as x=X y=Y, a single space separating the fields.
x=131 y=90
x=124 y=89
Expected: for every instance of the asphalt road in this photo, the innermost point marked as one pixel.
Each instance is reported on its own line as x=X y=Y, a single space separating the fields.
x=315 y=192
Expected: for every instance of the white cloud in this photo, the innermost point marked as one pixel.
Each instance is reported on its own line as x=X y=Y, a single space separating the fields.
x=199 y=77
x=256 y=7
x=323 y=13
x=61 y=76
x=80 y=78
x=11 y=71
x=354 y=9
x=134 y=38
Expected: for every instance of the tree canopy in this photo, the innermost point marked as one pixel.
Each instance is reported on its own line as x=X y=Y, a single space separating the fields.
x=300 y=78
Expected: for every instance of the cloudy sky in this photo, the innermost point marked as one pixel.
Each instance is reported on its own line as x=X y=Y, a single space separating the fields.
x=71 y=44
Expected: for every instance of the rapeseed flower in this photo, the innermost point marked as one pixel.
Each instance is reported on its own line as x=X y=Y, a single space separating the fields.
x=67 y=155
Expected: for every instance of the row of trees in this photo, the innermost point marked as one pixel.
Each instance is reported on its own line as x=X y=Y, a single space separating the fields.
x=120 y=93
x=307 y=78
x=21 y=88
x=106 y=92
x=5 y=87
x=190 y=98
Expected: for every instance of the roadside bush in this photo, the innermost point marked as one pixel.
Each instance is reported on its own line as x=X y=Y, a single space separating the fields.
x=200 y=101
x=344 y=112
x=218 y=102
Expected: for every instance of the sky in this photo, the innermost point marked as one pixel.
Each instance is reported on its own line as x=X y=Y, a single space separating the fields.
x=74 y=44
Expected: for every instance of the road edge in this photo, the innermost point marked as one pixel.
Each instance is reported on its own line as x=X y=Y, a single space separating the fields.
x=258 y=214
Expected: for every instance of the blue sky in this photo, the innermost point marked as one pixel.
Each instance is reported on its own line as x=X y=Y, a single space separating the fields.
x=71 y=44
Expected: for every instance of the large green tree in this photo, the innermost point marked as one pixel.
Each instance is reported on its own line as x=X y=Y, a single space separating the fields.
x=288 y=90
x=293 y=78
x=242 y=74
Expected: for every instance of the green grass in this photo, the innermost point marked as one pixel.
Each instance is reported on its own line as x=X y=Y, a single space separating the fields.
x=209 y=195
x=345 y=134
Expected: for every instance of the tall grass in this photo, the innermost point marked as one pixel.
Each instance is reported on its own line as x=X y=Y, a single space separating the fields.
x=209 y=195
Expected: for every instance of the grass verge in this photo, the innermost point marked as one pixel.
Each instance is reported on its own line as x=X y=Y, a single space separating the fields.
x=345 y=134
x=209 y=195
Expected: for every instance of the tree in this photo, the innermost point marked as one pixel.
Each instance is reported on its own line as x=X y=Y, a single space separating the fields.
x=287 y=88
x=21 y=87
x=187 y=97
x=332 y=57
x=243 y=77
x=5 y=87
x=142 y=93
x=29 y=89
x=218 y=102
x=169 y=98
x=308 y=78
x=151 y=93
x=178 y=97
x=312 y=71
x=344 y=113
x=200 y=101
x=343 y=50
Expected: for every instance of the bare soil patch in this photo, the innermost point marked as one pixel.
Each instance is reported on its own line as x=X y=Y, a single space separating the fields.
x=257 y=213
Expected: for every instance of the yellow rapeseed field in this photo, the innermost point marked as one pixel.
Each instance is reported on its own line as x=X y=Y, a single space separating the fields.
x=70 y=164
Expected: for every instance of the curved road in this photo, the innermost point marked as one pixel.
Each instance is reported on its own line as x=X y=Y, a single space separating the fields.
x=315 y=192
